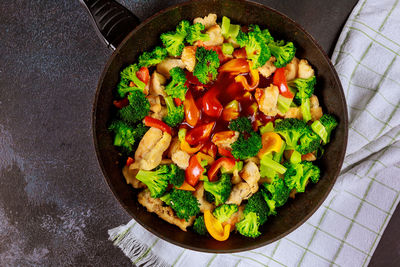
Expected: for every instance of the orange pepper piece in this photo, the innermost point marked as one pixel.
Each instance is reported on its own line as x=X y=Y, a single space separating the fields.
x=270 y=142
x=187 y=187
x=201 y=156
x=214 y=227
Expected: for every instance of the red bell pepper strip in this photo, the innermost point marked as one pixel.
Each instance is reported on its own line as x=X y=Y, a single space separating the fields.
x=143 y=74
x=192 y=113
x=200 y=133
x=279 y=80
x=177 y=101
x=211 y=105
x=151 y=122
x=225 y=152
x=227 y=163
x=121 y=103
x=129 y=161
x=218 y=49
x=194 y=171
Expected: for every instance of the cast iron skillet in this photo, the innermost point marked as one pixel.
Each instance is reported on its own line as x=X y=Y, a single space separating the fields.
x=115 y=22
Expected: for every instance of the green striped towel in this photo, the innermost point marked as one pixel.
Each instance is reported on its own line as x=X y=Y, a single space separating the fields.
x=347 y=227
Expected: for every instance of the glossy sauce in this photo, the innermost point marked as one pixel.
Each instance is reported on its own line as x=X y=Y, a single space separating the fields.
x=227 y=90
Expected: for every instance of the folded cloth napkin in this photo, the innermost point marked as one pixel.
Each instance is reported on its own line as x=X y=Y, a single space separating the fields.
x=347 y=227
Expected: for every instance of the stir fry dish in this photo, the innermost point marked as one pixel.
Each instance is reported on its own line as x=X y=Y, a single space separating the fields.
x=219 y=126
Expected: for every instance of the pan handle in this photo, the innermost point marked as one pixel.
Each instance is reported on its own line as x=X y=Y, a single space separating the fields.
x=112 y=21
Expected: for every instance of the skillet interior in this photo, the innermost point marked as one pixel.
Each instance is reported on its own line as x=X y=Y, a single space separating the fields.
x=328 y=89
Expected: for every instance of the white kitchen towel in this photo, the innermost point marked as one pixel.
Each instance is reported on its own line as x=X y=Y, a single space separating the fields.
x=346 y=229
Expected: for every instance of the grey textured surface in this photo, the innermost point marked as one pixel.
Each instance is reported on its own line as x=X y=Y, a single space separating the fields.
x=55 y=208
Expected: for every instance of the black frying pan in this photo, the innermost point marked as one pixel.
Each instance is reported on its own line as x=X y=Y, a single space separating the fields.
x=121 y=30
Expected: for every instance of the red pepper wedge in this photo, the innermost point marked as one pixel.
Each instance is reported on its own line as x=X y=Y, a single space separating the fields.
x=194 y=171
x=151 y=122
x=129 y=161
x=279 y=80
x=227 y=163
x=192 y=113
x=121 y=103
x=177 y=101
x=200 y=133
x=143 y=75
x=225 y=152
x=211 y=105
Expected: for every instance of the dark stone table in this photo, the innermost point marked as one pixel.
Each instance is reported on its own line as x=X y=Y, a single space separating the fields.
x=55 y=208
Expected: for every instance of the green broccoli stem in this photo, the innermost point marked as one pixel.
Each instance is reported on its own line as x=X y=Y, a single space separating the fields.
x=267 y=161
x=320 y=130
x=284 y=103
x=169 y=102
x=306 y=109
x=278 y=155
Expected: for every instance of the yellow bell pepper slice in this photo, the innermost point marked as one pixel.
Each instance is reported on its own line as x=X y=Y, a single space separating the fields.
x=201 y=156
x=214 y=227
x=187 y=187
x=270 y=142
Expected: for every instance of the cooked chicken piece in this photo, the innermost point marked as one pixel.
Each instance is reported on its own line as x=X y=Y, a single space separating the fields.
x=294 y=113
x=207 y=21
x=225 y=139
x=236 y=217
x=239 y=192
x=251 y=175
x=256 y=160
x=189 y=57
x=316 y=110
x=233 y=42
x=167 y=64
x=164 y=212
x=316 y=113
x=215 y=34
x=157 y=82
x=130 y=177
x=309 y=157
x=235 y=179
x=268 y=67
x=178 y=156
x=305 y=71
x=291 y=69
x=268 y=100
x=149 y=153
x=155 y=103
x=199 y=194
x=166 y=161
x=161 y=114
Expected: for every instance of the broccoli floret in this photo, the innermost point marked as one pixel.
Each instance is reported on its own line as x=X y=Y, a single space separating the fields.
x=324 y=127
x=308 y=142
x=125 y=135
x=156 y=181
x=275 y=194
x=177 y=88
x=297 y=175
x=249 y=225
x=199 y=226
x=174 y=41
x=263 y=34
x=291 y=130
x=207 y=65
x=175 y=114
x=138 y=108
x=176 y=175
x=194 y=33
x=224 y=212
x=128 y=75
x=256 y=49
x=257 y=204
x=219 y=189
x=255 y=44
x=283 y=53
x=305 y=89
x=241 y=125
x=244 y=148
x=152 y=58
x=183 y=203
